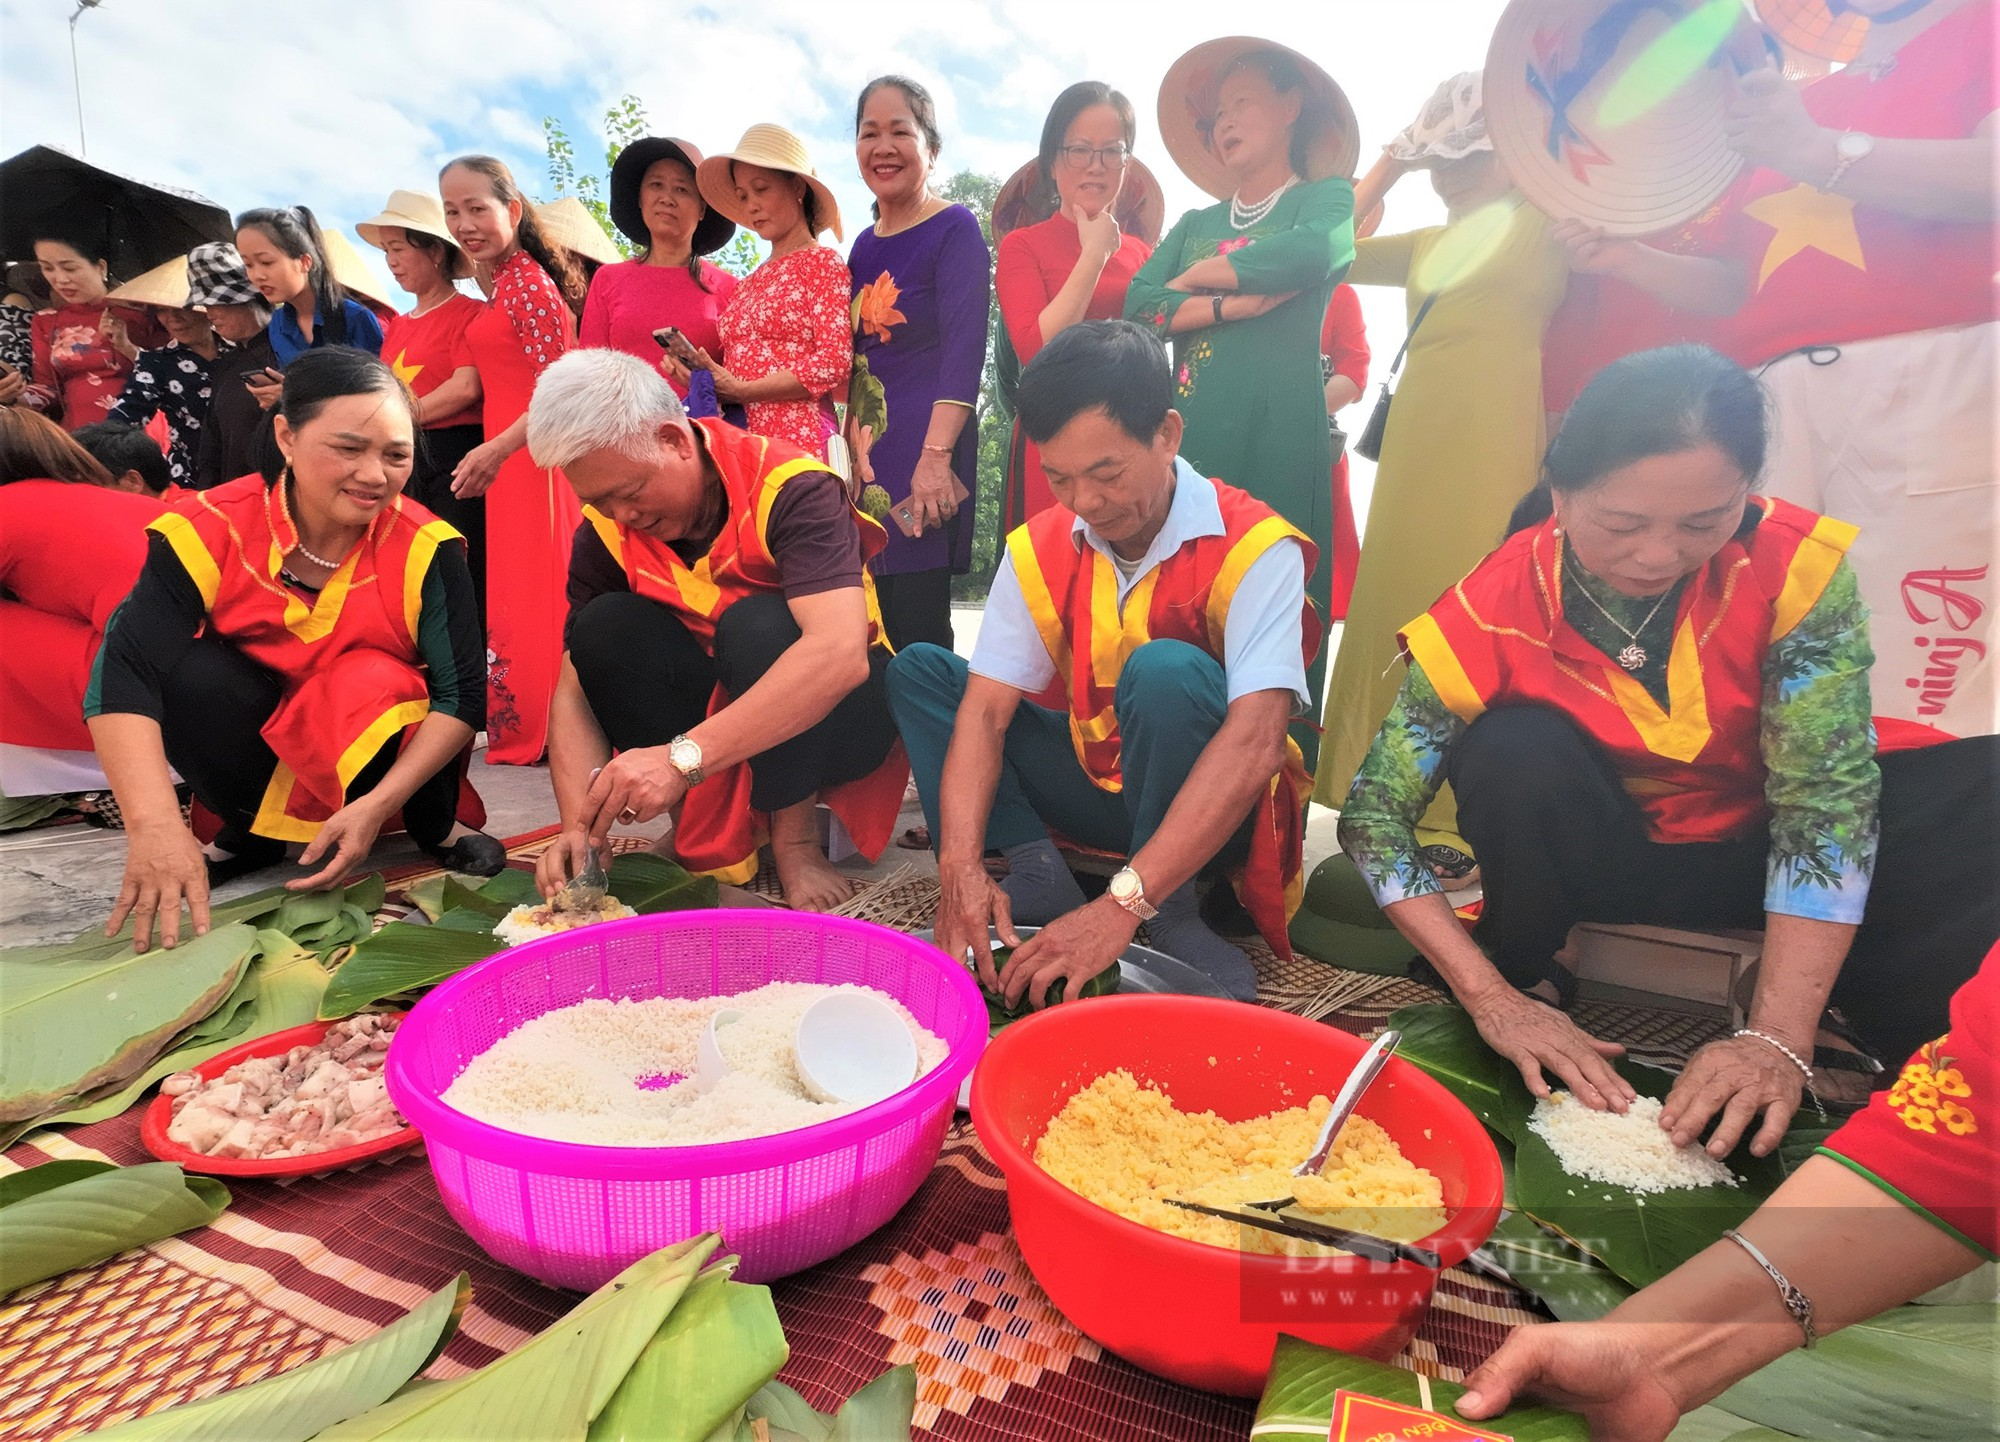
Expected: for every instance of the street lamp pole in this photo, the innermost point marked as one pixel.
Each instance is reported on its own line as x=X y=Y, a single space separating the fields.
x=75 y=74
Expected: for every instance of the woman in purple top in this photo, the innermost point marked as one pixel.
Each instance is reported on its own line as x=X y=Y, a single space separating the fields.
x=923 y=281
x=654 y=201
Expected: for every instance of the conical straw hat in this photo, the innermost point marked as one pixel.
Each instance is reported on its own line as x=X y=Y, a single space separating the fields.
x=418 y=211
x=352 y=271
x=1187 y=114
x=569 y=224
x=1614 y=115
x=165 y=284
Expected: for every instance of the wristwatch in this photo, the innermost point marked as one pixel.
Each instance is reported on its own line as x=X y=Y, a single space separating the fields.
x=684 y=755
x=1852 y=147
x=1128 y=891
x=1218 y=309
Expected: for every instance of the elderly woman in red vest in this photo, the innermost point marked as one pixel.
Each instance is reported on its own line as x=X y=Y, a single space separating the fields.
x=1652 y=702
x=304 y=651
x=723 y=638
x=1170 y=612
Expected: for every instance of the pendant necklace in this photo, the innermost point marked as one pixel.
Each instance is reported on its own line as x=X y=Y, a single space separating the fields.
x=1633 y=656
x=1242 y=217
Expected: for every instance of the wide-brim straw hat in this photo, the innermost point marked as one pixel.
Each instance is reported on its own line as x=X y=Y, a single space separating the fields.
x=1338 y=922
x=1810 y=26
x=414 y=210
x=352 y=271
x=1188 y=104
x=774 y=148
x=1638 y=145
x=569 y=224
x=165 y=284
x=1026 y=199
x=628 y=172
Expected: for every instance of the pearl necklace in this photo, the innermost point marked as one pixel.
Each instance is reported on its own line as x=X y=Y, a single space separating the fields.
x=1242 y=217
x=298 y=541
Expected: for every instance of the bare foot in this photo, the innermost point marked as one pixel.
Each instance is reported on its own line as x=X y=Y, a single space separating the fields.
x=808 y=879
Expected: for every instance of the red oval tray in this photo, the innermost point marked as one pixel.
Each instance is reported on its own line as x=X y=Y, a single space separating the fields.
x=160 y=1112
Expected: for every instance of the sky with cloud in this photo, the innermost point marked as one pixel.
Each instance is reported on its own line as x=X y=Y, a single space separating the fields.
x=334 y=103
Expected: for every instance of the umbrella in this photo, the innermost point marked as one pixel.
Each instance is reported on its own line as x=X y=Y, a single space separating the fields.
x=139 y=225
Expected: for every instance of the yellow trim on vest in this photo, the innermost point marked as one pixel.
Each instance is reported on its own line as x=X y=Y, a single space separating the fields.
x=1114 y=636
x=1812 y=568
x=274 y=821
x=1427 y=646
x=317 y=621
x=767 y=496
x=1681 y=732
x=737 y=874
x=1242 y=556
x=609 y=532
x=423 y=549
x=1041 y=604
x=194 y=557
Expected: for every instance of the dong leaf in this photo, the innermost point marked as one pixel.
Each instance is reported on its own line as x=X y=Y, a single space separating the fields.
x=403 y=956
x=72 y=1026
x=93 y=1217
x=1297 y=1405
x=882 y=1411
x=296 y=1405
x=721 y=1344
x=30 y=1181
x=1568 y=1280
x=428 y=895
x=500 y=895
x=280 y=989
x=554 y=1384
x=1445 y=1043
x=651 y=884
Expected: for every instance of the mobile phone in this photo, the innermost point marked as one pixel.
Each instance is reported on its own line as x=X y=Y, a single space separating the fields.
x=675 y=344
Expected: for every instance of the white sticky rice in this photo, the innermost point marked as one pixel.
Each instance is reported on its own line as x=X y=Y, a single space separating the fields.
x=621 y=1073
x=1630 y=1151
x=532 y=921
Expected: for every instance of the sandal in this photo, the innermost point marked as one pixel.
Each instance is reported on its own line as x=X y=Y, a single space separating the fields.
x=476 y=854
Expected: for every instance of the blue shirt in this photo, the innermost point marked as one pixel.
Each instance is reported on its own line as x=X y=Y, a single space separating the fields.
x=363 y=332
x=1262 y=641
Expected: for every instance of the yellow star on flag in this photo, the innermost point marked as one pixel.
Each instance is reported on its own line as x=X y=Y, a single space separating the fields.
x=405 y=372
x=1807 y=218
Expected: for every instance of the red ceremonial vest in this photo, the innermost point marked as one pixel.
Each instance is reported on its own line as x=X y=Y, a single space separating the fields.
x=1499 y=638
x=718 y=834
x=1072 y=592
x=352 y=672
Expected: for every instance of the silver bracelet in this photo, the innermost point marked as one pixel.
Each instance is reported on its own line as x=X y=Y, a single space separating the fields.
x=1796 y=1302
x=1791 y=1056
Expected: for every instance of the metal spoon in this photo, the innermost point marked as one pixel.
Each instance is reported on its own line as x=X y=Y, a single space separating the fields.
x=585 y=891
x=1365 y=1071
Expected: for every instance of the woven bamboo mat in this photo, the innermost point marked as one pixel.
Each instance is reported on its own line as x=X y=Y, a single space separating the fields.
x=292 y=1271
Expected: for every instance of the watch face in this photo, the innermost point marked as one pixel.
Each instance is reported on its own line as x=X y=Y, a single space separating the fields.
x=1124 y=886
x=1854 y=145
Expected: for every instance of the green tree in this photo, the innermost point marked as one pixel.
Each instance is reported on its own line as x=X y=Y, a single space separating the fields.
x=977 y=192
x=624 y=123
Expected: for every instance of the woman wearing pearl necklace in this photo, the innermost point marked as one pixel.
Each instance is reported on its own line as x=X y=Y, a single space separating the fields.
x=1239 y=288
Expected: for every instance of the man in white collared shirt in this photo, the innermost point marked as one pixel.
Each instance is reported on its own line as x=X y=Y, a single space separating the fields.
x=1140 y=658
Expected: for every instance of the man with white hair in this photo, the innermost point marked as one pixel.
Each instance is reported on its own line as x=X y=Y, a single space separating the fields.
x=723 y=638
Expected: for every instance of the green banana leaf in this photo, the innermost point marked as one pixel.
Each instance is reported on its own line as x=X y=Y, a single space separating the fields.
x=280 y=989
x=1569 y=1281
x=554 y=1384
x=296 y=1405
x=71 y=1026
x=500 y=895
x=99 y=1215
x=30 y=1181
x=1297 y=1405
x=652 y=884
x=1444 y=1042
x=1712 y=1424
x=718 y=1347
x=428 y=895
x=883 y=1411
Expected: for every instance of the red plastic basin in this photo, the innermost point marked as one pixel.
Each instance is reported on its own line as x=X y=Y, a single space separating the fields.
x=1203 y=1315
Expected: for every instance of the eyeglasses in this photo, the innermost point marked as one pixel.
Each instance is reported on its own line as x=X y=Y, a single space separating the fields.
x=1078 y=157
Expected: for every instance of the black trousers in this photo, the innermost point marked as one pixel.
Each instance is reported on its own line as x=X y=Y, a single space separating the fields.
x=648 y=679
x=438 y=453
x=1559 y=840
x=214 y=706
x=916 y=606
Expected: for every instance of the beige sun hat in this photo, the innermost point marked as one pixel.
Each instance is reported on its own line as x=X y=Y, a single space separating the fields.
x=569 y=224
x=1599 y=118
x=164 y=285
x=352 y=271
x=1027 y=200
x=1811 y=27
x=774 y=148
x=1187 y=113
x=414 y=210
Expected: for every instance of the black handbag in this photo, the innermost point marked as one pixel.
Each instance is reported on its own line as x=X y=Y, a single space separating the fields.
x=1370 y=442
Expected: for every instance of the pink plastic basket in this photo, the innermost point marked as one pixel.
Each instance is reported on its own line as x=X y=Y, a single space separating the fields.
x=574 y=1215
